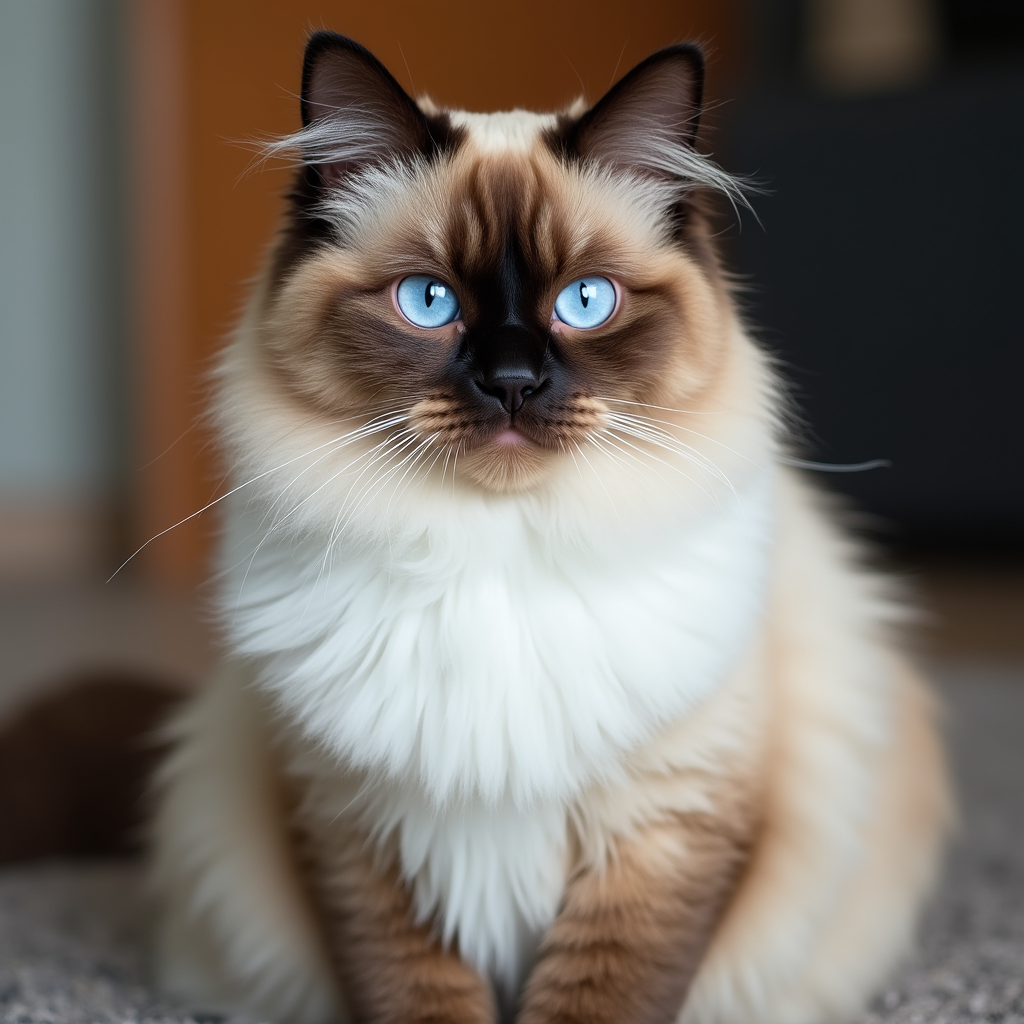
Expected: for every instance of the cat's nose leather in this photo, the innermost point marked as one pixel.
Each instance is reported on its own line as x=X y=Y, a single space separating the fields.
x=512 y=391
x=508 y=364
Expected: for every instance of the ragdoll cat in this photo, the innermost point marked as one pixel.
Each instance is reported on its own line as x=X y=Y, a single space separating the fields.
x=551 y=695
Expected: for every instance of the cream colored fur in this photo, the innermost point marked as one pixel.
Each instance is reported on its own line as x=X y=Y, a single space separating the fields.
x=839 y=728
x=757 y=653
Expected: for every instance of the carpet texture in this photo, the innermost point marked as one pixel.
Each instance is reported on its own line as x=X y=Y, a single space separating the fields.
x=73 y=945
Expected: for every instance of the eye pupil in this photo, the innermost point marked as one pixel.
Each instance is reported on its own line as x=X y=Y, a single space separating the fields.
x=433 y=291
x=584 y=294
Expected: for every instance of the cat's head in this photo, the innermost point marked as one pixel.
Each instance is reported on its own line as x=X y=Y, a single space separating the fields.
x=497 y=299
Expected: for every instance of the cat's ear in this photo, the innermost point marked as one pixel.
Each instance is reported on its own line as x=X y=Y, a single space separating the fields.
x=648 y=118
x=354 y=113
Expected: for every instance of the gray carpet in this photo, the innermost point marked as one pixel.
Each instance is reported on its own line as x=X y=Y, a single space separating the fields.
x=73 y=937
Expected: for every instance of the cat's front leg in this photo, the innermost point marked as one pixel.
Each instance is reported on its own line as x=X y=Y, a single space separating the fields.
x=631 y=932
x=390 y=969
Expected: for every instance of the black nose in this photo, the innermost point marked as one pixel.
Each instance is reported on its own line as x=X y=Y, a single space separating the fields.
x=510 y=390
x=507 y=363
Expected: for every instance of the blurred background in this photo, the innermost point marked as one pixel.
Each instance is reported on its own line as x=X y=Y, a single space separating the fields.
x=882 y=268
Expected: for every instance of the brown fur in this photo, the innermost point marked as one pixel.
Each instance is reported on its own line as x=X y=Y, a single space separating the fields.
x=628 y=939
x=336 y=341
x=392 y=970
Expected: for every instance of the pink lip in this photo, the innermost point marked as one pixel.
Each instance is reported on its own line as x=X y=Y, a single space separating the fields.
x=511 y=436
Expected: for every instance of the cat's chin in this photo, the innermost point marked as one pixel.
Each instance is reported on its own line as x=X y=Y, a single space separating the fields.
x=507 y=463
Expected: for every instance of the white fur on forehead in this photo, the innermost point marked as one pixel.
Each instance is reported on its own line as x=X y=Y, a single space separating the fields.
x=516 y=130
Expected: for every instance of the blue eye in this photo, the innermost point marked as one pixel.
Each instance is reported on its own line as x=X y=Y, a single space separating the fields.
x=426 y=301
x=586 y=303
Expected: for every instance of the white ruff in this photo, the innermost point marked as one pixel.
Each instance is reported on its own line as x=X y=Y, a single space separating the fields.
x=473 y=686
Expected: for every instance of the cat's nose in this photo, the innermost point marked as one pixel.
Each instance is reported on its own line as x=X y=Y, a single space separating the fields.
x=511 y=390
x=508 y=364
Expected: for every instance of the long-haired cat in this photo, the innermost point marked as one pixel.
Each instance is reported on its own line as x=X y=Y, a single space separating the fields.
x=551 y=695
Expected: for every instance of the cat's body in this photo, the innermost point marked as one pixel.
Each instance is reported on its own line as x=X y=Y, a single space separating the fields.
x=550 y=690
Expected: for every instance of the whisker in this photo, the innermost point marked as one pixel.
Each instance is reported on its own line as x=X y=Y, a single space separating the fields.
x=668 y=465
x=280 y=522
x=340 y=519
x=677 y=426
x=386 y=451
x=335 y=534
x=836 y=467
x=455 y=463
x=665 y=440
x=349 y=505
x=228 y=494
x=663 y=408
x=633 y=465
x=568 y=448
x=708 y=473
x=626 y=460
x=327 y=553
x=380 y=409
x=583 y=456
x=444 y=468
x=413 y=456
x=411 y=460
x=437 y=457
x=362 y=434
x=380 y=478
x=396 y=450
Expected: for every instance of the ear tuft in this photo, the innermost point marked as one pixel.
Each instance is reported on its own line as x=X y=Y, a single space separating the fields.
x=647 y=123
x=354 y=113
x=658 y=102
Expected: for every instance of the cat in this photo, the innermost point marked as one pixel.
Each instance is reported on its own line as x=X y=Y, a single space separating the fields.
x=552 y=694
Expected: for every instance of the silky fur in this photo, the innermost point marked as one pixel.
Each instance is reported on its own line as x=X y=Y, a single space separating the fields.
x=486 y=705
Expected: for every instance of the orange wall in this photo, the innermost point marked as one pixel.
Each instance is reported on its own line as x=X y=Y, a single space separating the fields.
x=209 y=74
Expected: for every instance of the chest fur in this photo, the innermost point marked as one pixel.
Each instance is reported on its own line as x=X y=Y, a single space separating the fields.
x=488 y=877
x=484 y=683
x=500 y=667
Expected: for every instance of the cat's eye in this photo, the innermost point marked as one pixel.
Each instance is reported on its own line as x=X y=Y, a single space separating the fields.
x=586 y=303
x=427 y=301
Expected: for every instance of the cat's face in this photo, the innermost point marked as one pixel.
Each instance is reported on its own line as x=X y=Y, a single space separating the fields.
x=495 y=290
